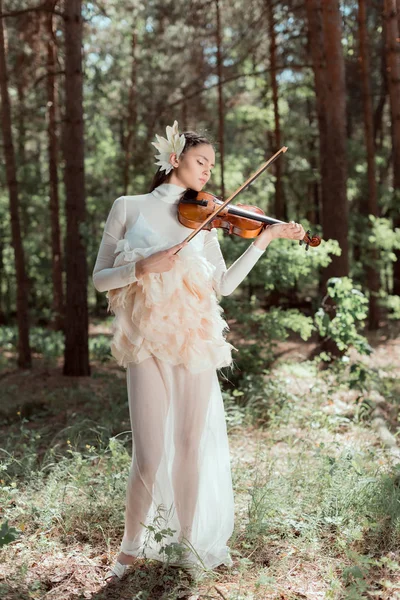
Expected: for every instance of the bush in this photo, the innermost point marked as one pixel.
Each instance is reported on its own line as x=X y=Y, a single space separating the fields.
x=349 y=308
x=261 y=331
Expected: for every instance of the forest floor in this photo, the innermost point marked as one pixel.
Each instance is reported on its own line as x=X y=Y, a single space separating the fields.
x=317 y=489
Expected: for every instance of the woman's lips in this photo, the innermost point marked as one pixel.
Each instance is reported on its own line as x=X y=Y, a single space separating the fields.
x=202 y=180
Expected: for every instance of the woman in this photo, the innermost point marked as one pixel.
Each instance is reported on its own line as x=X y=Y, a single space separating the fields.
x=169 y=335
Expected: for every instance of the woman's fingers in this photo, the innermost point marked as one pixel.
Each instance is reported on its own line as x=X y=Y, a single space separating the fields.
x=296 y=231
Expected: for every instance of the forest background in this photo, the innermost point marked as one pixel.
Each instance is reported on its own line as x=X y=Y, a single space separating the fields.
x=84 y=88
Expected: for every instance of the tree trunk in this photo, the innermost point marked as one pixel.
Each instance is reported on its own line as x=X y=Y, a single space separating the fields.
x=58 y=296
x=313 y=195
x=132 y=114
x=220 y=101
x=76 y=357
x=24 y=359
x=324 y=25
x=392 y=48
x=378 y=115
x=370 y=206
x=316 y=50
x=280 y=209
x=21 y=70
x=324 y=20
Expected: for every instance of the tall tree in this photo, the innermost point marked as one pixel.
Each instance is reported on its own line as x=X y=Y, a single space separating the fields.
x=52 y=106
x=221 y=127
x=76 y=357
x=325 y=30
x=27 y=27
x=131 y=121
x=392 y=48
x=24 y=359
x=280 y=212
x=379 y=110
x=370 y=205
x=398 y=13
x=313 y=188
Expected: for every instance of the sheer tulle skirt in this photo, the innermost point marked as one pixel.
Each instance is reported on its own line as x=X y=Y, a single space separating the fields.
x=180 y=477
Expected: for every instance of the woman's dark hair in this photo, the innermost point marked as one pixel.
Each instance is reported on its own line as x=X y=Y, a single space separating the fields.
x=192 y=139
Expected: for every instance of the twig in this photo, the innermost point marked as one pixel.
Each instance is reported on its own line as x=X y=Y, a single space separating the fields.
x=58 y=586
x=39 y=79
x=219 y=592
x=233 y=78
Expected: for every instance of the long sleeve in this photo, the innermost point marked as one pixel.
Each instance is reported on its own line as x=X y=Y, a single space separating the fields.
x=227 y=280
x=106 y=277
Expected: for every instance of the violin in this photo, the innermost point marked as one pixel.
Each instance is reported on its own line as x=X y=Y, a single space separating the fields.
x=203 y=210
x=241 y=220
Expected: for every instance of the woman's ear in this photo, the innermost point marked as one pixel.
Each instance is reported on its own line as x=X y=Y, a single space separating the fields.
x=173 y=160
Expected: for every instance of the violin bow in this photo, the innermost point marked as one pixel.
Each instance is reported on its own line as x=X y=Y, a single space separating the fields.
x=233 y=196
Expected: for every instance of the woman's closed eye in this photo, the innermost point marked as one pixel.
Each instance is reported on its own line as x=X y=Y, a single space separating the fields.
x=200 y=163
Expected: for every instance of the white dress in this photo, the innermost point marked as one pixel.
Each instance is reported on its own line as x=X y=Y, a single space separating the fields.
x=169 y=335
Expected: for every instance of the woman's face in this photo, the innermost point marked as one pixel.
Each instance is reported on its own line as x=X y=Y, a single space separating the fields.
x=193 y=169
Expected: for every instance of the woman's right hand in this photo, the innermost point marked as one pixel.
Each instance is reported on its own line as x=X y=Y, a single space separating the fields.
x=158 y=262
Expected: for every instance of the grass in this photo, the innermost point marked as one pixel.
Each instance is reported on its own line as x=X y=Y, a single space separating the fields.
x=317 y=494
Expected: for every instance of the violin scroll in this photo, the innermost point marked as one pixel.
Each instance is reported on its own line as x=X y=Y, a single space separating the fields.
x=310 y=240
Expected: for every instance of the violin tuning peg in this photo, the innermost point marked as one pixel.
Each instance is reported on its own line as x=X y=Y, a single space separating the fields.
x=300 y=242
x=308 y=234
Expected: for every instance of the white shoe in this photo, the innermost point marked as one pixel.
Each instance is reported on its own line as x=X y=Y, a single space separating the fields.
x=117 y=570
x=228 y=562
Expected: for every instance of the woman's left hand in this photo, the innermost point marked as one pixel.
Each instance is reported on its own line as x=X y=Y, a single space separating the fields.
x=291 y=231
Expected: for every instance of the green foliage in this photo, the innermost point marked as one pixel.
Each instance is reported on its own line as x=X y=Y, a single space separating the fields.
x=285 y=264
x=384 y=237
x=8 y=338
x=7 y=534
x=350 y=312
x=289 y=264
x=262 y=398
x=328 y=493
x=49 y=344
x=260 y=332
x=392 y=303
x=362 y=378
x=376 y=240
x=99 y=348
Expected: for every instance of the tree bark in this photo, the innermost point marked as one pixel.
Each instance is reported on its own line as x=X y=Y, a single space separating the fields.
x=398 y=13
x=280 y=209
x=132 y=114
x=76 y=356
x=58 y=295
x=392 y=48
x=23 y=66
x=313 y=195
x=24 y=359
x=221 y=127
x=370 y=206
x=378 y=115
x=324 y=21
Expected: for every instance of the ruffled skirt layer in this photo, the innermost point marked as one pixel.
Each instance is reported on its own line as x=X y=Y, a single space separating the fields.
x=174 y=315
